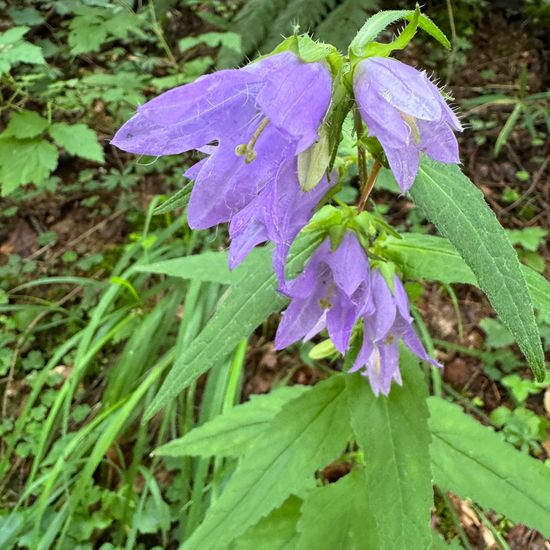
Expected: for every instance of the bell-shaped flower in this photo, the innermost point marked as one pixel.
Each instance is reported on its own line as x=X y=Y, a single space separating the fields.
x=386 y=321
x=277 y=214
x=407 y=113
x=248 y=121
x=330 y=292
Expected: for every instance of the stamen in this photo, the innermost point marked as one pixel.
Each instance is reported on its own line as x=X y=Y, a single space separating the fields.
x=411 y=122
x=247 y=149
x=325 y=302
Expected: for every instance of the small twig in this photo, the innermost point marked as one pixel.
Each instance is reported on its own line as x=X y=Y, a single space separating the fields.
x=367 y=188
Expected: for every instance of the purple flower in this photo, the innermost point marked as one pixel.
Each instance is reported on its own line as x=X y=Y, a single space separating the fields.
x=248 y=122
x=386 y=320
x=277 y=214
x=330 y=292
x=407 y=113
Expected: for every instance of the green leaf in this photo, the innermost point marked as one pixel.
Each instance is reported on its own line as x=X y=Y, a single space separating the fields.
x=245 y=306
x=393 y=433
x=339 y=515
x=498 y=336
x=28 y=161
x=305 y=436
x=208 y=266
x=278 y=529
x=529 y=238
x=230 y=40
x=180 y=199
x=436 y=259
x=26 y=124
x=231 y=433
x=457 y=208
x=78 y=140
x=14 y=50
x=507 y=128
x=474 y=462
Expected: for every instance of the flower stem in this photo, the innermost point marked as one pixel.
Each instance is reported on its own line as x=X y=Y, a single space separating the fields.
x=367 y=188
x=361 y=153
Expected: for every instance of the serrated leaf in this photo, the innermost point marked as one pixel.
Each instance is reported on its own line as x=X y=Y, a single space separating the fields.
x=458 y=210
x=305 y=436
x=393 y=433
x=25 y=161
x=314 y=161
x=339 y=515
x=208 y=266
x=245 y=306
x=277 y=530
x=78 y=140
x=436 y=259
x=231 y=433
x=26 y=124
x=474 y=462
x=11 y=36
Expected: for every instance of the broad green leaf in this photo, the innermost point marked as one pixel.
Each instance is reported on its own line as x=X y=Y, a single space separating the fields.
x=474 y=462
x=11 y=36
x=26 y=124
x=231 y=433
x=339 y=515
x=244 y=307
x=306 y=435
x=458 y=210
x=25 y=161
x=277 y=531
x=78 y=140
x=208 y=266
x=439 y=543
x=394 y=436
x=436 y=259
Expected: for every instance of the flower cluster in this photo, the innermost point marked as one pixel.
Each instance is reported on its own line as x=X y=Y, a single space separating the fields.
x=251 y=125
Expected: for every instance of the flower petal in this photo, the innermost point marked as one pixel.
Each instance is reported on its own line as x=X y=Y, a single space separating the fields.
x=191 y=116
x=296 y=98
x=438 y=141
x=404 y=164
x=402 y=86
x=349 y=264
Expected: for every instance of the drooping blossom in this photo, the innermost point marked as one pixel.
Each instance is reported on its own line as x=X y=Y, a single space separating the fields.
x=408 y=115
x=386 y=321
x=277 y=214
x=247 y=121
x=330 y=292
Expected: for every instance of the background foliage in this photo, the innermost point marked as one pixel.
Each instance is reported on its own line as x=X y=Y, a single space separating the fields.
x=102 y=294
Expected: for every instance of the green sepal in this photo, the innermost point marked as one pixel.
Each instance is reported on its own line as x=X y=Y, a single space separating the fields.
x=377 y=49
x=387 y=269
x=336 y=234
x=380 y=21
x=310 y=51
